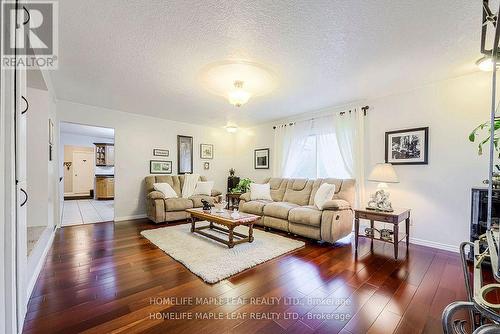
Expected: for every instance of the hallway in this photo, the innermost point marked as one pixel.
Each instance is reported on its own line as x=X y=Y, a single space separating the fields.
x=76 y=212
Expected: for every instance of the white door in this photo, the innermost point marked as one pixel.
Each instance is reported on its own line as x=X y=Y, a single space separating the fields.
x=83 y=172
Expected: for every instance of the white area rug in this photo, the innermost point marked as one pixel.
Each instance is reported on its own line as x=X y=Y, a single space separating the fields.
x=213 y=261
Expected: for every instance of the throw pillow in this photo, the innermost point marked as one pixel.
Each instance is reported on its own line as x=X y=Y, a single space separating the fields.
x=260 y=191
x=324 y=194
x=166 y=189
x=204 y=188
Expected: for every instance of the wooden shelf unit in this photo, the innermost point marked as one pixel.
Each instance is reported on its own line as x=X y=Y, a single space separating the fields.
x=104 y=154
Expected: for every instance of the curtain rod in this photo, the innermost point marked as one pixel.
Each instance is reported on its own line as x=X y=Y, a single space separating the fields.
x=364 y=109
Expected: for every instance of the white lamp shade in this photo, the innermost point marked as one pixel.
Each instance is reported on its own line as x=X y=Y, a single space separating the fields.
x=383 y=173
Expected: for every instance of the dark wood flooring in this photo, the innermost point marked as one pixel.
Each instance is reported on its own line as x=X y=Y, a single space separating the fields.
x=107 y=278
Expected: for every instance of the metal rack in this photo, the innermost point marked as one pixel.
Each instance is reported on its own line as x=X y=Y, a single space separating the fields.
x=484 y=315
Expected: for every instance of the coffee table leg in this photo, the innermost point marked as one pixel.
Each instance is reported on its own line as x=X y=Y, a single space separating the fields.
x=250 y=233
x=192 y=224
x=231 y=242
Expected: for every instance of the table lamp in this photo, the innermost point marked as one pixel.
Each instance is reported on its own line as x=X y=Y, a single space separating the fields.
x=383 y=173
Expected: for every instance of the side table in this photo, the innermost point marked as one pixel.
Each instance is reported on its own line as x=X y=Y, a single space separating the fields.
x=233 y=200
x=394 y=218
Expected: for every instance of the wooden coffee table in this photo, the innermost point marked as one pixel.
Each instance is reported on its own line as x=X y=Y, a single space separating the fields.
x=223 y=218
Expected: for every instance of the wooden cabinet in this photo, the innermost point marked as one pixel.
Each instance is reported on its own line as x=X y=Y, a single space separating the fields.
x=104 y=154
x=105 y=187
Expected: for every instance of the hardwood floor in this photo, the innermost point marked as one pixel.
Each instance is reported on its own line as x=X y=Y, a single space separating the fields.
x=105 y=277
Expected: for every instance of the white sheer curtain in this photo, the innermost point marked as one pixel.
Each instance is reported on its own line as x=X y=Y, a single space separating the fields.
x=293 y=150
x=282 y=138
x=330 y=161
x=349 y=130
x=337 y=140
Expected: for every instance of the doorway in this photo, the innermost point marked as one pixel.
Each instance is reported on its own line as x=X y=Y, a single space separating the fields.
x=87 y=171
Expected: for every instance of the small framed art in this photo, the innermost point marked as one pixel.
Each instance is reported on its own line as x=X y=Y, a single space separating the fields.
x=160 y=167
x=261 y=158
x=407 y=147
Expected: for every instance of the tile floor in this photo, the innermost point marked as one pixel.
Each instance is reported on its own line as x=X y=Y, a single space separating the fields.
x=87 y=211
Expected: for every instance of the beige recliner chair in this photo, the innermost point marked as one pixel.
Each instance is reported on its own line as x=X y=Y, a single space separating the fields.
x=162 y=210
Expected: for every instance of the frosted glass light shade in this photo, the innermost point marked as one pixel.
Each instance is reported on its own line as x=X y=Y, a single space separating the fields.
x=238 y=97
x=485 y=64
x=383 y=172
x=221 y=78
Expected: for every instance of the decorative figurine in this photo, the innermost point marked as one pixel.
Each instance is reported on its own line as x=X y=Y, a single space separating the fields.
x=232 y=172
x=386 y=234
x=380 y=201
x=370 y=232
x=206 y=205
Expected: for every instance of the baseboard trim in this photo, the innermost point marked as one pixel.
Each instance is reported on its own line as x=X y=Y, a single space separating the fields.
x=39 y=266
x=122 y=218
x=432 y=244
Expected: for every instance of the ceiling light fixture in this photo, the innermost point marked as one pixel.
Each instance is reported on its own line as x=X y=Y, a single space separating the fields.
x=238 y=96
x=231 y=128
x=238 y=80
x=485 y=64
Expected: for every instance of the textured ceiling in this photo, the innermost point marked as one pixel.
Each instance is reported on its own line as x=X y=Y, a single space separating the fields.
x=145 y=56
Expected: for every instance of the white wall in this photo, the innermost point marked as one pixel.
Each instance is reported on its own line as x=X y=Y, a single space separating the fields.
x=437 y=193
x=135 y=138
x=37 y=157
x=248 y=140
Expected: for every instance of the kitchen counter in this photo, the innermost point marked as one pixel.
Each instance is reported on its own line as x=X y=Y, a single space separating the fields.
x=104 y=175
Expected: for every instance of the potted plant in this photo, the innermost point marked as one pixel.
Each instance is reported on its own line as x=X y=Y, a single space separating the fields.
x=242 y=187
x=486 y=129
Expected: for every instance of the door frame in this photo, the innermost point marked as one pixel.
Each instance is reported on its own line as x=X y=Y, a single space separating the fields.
x=74 y=164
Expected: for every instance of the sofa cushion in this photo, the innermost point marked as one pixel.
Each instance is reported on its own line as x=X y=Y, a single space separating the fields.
x=197 y=200
x=279 y=209
x=254 y=207
x=298 y=191
x=306 y=215
x=178 y=204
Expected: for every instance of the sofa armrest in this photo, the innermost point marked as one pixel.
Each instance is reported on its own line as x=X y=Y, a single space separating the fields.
x=215 y=193
x=336 y=204
x=156 y=195
x=245 y=197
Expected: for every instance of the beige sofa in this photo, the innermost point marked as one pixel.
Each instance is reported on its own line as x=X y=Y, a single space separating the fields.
x=292 y=208
x=162 y=210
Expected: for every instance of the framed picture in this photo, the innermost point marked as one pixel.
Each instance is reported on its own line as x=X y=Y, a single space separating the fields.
x=206 y=165
x=407 y=147
x=160 y=167
x=261 y=158
x=206 y=151
x=184 y=154
x=51 y=132
x=160 y=153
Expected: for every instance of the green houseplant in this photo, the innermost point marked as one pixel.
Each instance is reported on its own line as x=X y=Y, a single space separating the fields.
x=485 y=130
x=243 y=186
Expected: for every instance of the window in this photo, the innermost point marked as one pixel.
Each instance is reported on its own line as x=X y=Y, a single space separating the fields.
x=321 y=158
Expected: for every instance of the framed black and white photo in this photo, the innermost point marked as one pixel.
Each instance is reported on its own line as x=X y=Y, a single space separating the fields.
x=160 y=167
x=160 y=153
x=407 y=147
x=206 y=151
x=184 y=154
x=261 y=158
x=206 y=165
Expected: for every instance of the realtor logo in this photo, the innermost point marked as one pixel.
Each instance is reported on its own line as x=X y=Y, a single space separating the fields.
x=30 y=34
